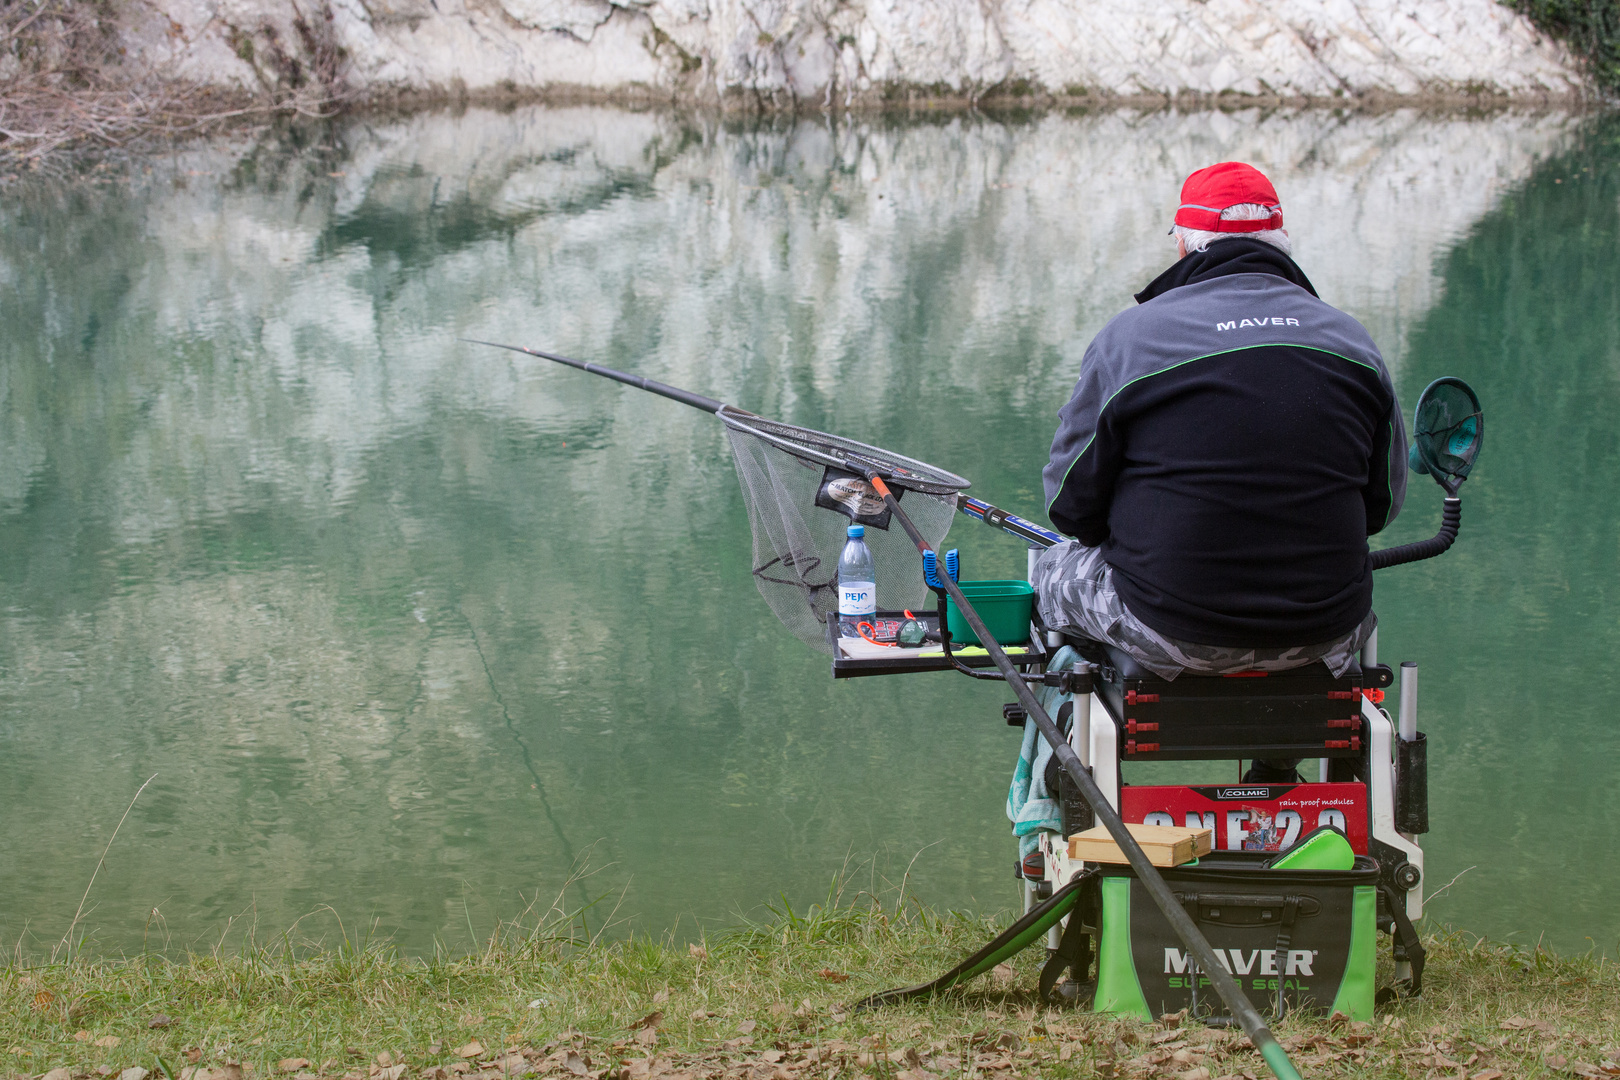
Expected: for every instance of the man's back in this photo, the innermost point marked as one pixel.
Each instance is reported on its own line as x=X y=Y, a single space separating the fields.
x=1232 y=443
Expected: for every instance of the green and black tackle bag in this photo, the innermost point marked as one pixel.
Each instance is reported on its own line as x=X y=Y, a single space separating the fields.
x=1293 y=939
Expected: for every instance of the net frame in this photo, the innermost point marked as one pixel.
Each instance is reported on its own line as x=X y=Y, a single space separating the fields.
x=1447 y=411
x=785 y=473
x=841 y=453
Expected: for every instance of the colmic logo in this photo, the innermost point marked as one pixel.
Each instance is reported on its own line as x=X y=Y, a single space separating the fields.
x=1271 y=320
x=856 y=495
x=1243 y=793
x=1237 y=962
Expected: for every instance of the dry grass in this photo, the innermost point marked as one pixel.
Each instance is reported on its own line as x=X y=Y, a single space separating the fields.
x=766 y=1001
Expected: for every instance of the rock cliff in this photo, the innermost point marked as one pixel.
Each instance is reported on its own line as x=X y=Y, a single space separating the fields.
x=847 y=52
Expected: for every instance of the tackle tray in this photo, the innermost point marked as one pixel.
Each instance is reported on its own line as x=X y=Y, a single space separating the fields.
x=868 y=659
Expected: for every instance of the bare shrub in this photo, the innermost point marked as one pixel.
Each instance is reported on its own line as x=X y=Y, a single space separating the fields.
x=66 y=81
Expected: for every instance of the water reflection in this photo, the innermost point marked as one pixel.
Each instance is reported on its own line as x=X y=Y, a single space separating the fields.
x=409 y=627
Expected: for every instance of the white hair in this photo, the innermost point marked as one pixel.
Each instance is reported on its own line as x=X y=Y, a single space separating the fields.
x=1199 y=239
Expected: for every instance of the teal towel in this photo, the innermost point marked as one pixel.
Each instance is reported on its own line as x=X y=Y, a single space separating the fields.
x=1030 y=807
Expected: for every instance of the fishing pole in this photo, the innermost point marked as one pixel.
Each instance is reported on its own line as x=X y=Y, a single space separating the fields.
x=1242 y=1011
x=977 y=509
x=897 y=468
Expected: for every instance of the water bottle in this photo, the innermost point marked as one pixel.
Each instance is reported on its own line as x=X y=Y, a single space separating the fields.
x=857 y=584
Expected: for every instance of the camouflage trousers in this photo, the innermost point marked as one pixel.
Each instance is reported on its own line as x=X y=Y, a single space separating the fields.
x=1076 y=591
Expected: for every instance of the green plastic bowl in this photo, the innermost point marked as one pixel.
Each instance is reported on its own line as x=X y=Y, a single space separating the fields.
x=1003 y=605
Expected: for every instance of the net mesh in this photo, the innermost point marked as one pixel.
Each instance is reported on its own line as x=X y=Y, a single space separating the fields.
x=802 y=495
x=1448 y=428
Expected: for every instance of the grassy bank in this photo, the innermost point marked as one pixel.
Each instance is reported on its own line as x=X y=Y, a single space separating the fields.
x=766 y=1001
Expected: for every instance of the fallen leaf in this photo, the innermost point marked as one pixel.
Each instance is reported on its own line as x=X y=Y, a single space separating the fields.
x=1200 y=1073
x=58 y=1074
x=651 y=1020
x=80 y=1036
x=833 y=976
x=193 y=1054
x=746 y=1026
x=1487 y=1074
x=778 y=1009
x=638 y=1069
x=1003 y=974
x=159 y=1021
x=772 y=1056
x=393 y=1072
x=575 y=1064
x=647 y=1036
x=384 y=1058
x=1519 y=1023
x=43 y=999
x=108 y=1041
x=294 y=1064
x=134 y=1073
x=733 y=1044
x=471 y=1050
x=661 y=997
x=1556 y=1061
x=698 y=951
x=915 y=1074
x=703 y=1014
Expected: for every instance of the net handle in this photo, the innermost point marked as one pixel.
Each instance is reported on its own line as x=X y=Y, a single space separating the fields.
x=1187 y=930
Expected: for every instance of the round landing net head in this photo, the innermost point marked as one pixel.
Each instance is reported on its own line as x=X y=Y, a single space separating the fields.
x=1448 y=431
x=804 y=489
x=847 y=454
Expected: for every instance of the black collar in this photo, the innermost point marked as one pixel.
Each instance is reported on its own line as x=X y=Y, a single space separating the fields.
x=1237 y=255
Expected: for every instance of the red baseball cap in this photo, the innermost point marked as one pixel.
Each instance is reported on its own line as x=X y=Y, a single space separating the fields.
x=1209 y=191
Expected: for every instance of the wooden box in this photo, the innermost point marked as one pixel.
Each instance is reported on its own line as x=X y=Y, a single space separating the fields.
x=1165 y=845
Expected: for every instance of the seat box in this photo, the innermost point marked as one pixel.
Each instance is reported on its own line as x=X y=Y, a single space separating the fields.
x=1292 y=939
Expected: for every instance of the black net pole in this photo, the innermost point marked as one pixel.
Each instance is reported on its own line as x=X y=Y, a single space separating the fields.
x=674 y=393
x=1242 y=1011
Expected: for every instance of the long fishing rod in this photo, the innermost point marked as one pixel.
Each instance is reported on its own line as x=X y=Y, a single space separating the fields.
x=977 y=509
x=1242 y=1010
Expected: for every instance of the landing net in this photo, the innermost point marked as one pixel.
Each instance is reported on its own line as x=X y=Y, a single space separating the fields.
x=803 y=489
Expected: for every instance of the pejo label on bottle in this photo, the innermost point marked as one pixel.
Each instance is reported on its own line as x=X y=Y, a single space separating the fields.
x=857 y=598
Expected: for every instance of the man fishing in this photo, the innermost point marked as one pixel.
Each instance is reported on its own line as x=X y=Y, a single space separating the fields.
x=1231 y=444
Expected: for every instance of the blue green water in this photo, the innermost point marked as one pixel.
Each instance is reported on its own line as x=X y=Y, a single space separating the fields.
x=407 y=629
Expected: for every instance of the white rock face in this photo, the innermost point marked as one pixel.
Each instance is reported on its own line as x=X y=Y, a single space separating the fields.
x=844 y=51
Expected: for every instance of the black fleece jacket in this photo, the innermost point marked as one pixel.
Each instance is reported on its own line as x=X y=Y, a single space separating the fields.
x=1231 y=444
